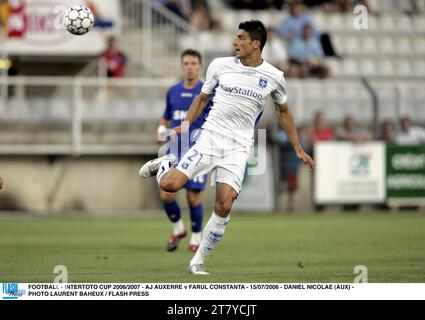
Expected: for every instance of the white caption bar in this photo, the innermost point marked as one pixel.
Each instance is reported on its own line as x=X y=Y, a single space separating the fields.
x=210 y=291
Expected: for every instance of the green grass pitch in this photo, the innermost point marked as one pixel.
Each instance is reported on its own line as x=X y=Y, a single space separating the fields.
x=255 y=248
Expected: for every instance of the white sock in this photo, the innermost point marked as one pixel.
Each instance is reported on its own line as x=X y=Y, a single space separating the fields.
x=178 y=227
x=165 y=166
x=196 y=238
x=213 y=232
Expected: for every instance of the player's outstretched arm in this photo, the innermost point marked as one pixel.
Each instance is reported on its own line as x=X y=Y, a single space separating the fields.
x=288 y=124
x=195 y=110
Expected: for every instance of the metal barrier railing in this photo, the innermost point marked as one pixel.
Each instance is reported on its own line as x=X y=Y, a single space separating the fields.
x=62 y=115
x=151 y=36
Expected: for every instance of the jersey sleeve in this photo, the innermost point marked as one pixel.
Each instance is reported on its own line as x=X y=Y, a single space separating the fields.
x=168 y=107
x=212 y=77
x=279 y=94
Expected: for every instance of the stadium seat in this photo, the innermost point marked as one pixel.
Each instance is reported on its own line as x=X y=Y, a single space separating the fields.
x=350 y=67
x=335 y=67
x=419 y=45
x=419 y=23
x=387 y=23
x=368 y=67
x=353 y=45
x=403 y=46
x=337 y=22
x=388 y=102
x=15 y=110
x=419 y=69
x=270 y=18
x=187 y=41
x=228 y=19
x=60 y=109
x=404 y=23
x=372 y=23
x=419 y=104
x=414 y=103
x=369 y=45
x=319 y=20
x=120 y=109
x=386 y=67
x=338 y=43
x=39 y=108
x=403 y=68
x=386 y=45
x=244 y=15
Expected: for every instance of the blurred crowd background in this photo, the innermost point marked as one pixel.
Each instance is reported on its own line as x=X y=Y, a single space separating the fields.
x=79 y=112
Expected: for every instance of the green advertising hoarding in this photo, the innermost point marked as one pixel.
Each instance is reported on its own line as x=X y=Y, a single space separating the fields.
x=406 y=174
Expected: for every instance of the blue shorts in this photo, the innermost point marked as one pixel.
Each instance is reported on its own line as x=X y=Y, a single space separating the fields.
x=197 y=183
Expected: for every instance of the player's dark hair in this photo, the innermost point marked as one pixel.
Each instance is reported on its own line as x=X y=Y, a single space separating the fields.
x=256 y=31
x=191 y=52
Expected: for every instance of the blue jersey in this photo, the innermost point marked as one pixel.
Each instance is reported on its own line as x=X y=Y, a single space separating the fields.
x=179 y=100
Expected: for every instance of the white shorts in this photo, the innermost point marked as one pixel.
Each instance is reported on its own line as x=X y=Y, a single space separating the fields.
x=224 y=156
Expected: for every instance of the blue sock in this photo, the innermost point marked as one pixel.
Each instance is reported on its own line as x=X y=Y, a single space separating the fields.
x=173 y=211
x=196 y=215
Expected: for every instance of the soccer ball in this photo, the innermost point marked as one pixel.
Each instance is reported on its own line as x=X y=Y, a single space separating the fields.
x=78 y=20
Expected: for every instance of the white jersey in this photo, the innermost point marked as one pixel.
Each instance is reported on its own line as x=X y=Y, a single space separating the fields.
x=240 y=96
x=416 y=135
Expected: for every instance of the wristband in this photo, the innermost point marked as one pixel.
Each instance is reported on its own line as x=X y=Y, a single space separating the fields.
x=162 y=130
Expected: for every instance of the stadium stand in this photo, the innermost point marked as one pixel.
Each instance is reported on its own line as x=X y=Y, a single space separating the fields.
x=390 y=54
x=74 y=109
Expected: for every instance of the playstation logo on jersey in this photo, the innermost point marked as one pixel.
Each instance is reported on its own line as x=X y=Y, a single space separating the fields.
x=263 y=83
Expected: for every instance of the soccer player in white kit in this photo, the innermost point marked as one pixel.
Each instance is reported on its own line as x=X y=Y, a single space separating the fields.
x=242 y=84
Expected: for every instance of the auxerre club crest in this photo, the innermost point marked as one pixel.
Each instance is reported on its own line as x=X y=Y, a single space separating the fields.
x=263 y=83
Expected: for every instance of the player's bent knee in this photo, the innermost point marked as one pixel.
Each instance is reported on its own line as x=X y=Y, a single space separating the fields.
x=173 y=182
x=168 y=185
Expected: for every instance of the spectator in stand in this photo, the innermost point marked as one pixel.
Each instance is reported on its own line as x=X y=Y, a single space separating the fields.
x=1 y=182
x=292 y=27
x=201 y=18
x=409 y=134
x=351 y=132
x=320 y=132
x=406 y=136
x=274 y=51
x=289 y=165
x=388 y=132
x=115 y=60
x=306 y=56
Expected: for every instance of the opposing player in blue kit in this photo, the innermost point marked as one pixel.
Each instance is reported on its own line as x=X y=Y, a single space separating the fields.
x=241 y=85
x=179 y=99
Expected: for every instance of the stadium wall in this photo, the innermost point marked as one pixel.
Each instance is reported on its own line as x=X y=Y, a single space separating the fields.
x=98 y=184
